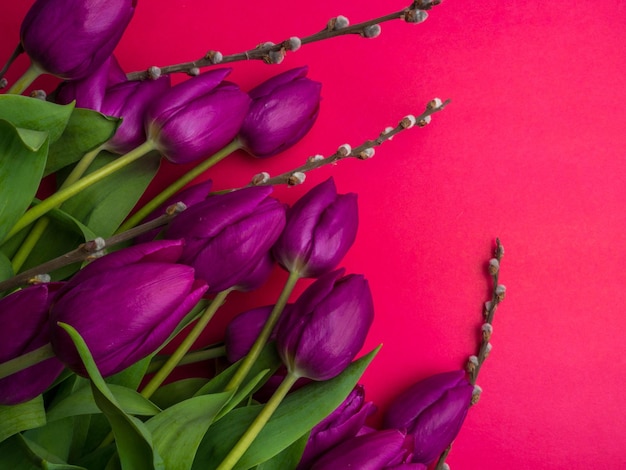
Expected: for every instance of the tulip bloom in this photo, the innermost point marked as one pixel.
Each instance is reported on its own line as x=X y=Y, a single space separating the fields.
x=189 y=196
x=24 y=320
x=432 y=411
x=125 y=305
x=111 y=94
x=377 y=450
x=228 y=237
x=89 y=92
x=342 y=424
x=283 y=110
x=321 y=227
x=326 y=327
x=196 y=118
x=72 y=38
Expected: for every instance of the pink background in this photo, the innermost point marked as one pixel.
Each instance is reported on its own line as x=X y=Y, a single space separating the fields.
x=531 y=150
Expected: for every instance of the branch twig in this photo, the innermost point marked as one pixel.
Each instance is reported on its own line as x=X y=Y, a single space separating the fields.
x=362 y=152
x=475 y=363
x=271 y=53
x=89 y=250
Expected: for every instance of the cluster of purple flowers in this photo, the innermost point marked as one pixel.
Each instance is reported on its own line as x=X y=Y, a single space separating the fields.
x=127 y=304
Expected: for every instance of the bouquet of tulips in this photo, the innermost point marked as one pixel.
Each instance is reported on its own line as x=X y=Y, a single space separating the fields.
x=92 y=287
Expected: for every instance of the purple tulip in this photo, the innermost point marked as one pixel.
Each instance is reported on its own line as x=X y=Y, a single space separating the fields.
x=72 y=38
x=342 y=424
x=373 y=451
x=243 y=330
x=228 y=235
x=283 y=110
x=189 y=196
x=125 y=305
x=321 y=228
x=24 y=319
x=196 y=118
x=326 y=327
x=432 y=412
x=89 y=92
x=129 y=100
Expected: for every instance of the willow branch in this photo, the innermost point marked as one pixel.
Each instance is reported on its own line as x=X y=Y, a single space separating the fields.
x=271 y=53
x=362 y=152
x=87 y=251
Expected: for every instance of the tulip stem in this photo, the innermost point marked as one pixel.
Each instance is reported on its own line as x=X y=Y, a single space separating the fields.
x=16 y=53
x=39 y=228
x=26 y=360
x=259 y=422
x=73 y=189
x=25 y=80
x=185 y=345
x=177 y=185
x=264 y=335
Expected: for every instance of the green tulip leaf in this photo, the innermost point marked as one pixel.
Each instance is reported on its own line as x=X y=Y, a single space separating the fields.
x=86 y=130
x=132 y=376
x=20 y=453
x=175 y=392
x=288 y=458
x=82 y=402
x=36 y=114
x=178 y=430
x=6 y=270
x=22 y=160
x=133 y=440
x=294 y=417
x=104 y=205
x=53 y=441
x=17 y=418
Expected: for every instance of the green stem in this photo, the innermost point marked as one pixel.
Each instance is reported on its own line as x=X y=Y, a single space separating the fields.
x=191 y=358
x=263 y=337
x=72 y=190
x=257 y=425
x=177 y=185
x=40 y=226
x=185 y=346
x=26 y=360
x=25 y=80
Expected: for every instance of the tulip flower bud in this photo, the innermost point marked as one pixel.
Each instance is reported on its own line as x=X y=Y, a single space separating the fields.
x=321 y=228
x=125 y=305
x=242 y=332
x=24 y=320
x=72 y=38
x=326 y=327
x=228 y=235
x=189 y=196
x=128 y=100
x=282 y=111
x=196 y=118
x=342 y=424
x=378 y=450
x=89 y=92
x=432 y=411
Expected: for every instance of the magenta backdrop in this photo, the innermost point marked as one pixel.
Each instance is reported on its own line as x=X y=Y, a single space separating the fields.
x=531 y=150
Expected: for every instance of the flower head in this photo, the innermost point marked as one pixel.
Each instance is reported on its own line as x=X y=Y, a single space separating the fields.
x=228 y=237
x=321 y=228
x=282 y=111
x=72 y=38
x=125 y=305
x=432 y=412
x=196 y=118
x=24 y=320
x=326 y=327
